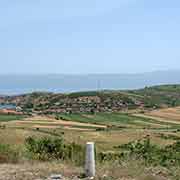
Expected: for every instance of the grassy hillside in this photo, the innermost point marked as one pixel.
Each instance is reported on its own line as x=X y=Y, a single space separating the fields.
x=164 y=95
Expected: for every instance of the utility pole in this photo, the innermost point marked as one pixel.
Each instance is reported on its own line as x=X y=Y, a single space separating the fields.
x=99 y=85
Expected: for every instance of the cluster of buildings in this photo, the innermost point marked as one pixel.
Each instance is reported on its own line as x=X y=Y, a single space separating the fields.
x=58 y=103
x=91 y=104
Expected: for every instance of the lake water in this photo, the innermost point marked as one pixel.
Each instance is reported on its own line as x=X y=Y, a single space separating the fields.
x=20 y=84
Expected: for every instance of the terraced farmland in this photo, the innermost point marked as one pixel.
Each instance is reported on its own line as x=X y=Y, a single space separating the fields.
x=106 y=129
x=119 y=120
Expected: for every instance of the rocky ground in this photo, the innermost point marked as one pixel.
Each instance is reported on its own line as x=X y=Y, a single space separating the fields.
x=39 y=171
x=54 y=171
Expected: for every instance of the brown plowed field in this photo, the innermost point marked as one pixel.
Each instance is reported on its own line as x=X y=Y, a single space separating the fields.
x=170 y=115
x=49 y=122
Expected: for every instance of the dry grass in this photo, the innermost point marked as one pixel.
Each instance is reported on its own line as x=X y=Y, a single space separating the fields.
x=45 y=122
x=36 y=170
x=159 y=119
x=105 y=140
x=17 y=136
x=45 y=119
x=131 y=170
x=169 y=115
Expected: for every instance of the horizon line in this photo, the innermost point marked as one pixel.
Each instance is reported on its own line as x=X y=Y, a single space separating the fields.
x=82 y=74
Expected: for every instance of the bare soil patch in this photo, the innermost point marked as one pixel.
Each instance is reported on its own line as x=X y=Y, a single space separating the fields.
x=35 y=171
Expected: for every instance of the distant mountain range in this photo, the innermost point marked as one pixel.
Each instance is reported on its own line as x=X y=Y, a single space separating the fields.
x=18 y=84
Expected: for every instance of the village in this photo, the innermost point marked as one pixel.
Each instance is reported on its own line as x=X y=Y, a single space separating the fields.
x=48 y=103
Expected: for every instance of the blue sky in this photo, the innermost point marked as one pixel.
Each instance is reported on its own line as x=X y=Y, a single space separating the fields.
x=89 y=36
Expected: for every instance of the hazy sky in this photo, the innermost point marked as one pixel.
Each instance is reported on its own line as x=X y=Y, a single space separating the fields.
x=89 y=36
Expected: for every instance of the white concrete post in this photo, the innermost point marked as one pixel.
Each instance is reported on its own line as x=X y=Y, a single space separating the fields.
x=90 y=160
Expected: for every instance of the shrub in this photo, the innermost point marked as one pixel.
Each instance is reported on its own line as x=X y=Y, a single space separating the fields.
x=109 y=157
x=47 y=148
x=8 y=154
x=152 y=154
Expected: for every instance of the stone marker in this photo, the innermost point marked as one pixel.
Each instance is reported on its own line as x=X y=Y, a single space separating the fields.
x=90 y=160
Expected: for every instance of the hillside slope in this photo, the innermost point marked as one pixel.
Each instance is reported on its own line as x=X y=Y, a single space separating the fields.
x=99 y=101
x=167 y=95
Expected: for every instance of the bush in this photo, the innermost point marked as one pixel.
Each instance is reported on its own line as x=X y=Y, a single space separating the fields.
x=109 y=157
x=47 y=148
x=8 y=154
x=152 y=154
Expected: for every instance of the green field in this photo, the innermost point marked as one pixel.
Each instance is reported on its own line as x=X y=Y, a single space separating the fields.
x=118 y=119
x=5 y=118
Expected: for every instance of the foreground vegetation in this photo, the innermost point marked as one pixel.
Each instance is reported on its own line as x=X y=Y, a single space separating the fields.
x=120 y=149
x=141 y=154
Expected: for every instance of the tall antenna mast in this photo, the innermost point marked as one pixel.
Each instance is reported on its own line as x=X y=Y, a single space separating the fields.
x=99 y=85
